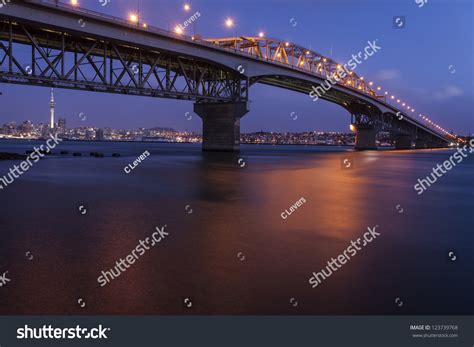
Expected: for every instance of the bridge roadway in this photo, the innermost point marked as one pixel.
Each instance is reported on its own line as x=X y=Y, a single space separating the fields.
x=62 y=46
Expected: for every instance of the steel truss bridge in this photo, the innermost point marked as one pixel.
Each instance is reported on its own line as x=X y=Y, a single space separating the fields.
x=45 y=43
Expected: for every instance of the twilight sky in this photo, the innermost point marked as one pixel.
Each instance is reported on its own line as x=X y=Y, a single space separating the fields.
x=428 y=64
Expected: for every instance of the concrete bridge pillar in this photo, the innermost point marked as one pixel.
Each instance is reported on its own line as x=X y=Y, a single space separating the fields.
x=365 y=139
x=221 y=125
x=402 y=141
x=420 y=143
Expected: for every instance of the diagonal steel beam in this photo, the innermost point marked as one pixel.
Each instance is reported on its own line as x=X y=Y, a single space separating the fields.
x=54 y=63
x=40 y=50
x=151 y=71
x=125 y=66
x=79 y=62
x=18 y=65
x=183 y=71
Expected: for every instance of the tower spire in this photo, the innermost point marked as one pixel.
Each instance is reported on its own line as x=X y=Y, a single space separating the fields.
x=51 y=107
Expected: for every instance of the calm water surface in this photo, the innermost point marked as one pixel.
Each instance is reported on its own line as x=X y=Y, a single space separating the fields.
x=234 y=254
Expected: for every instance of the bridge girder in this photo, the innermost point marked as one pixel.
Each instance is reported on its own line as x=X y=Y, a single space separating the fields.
x=280 y=52
x=36 y=56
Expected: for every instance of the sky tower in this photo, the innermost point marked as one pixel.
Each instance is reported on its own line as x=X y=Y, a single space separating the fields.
x=51 y=107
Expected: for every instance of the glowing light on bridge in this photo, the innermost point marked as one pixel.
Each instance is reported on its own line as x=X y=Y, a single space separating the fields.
x=178 y=30
x=261 y=34
x=133 y=17
x=186 y=7
x=74 y=3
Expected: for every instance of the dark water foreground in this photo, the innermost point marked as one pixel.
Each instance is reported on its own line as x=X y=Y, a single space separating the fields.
x=229 y=251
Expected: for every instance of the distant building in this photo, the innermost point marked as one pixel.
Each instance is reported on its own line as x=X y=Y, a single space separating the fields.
x=99 y=135
x=90 y=134
x=62 y=123
x=26 y=128
x=9 y=129
x=45 y=130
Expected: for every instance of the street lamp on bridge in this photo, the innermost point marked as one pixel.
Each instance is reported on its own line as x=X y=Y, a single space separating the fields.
x=229 y=23
x=133 y=17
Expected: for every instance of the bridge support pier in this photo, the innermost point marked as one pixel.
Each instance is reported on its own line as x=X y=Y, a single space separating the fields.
x=365 y=139
x=221 y=125
x=402 y=141
x=420 y=143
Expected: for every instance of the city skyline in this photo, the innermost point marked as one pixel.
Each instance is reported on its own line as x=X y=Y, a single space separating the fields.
x=31 y=131
x=440 y=86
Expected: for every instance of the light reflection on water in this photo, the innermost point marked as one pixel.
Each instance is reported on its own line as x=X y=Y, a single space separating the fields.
x=236 y=210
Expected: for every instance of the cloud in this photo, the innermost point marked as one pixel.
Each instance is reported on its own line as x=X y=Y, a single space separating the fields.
x=448 y=92
x=387 y=75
